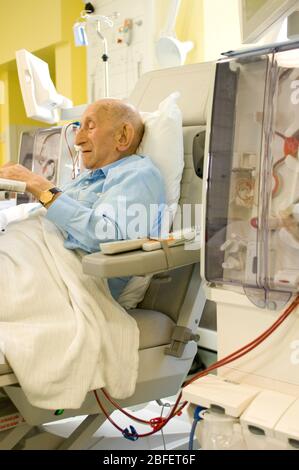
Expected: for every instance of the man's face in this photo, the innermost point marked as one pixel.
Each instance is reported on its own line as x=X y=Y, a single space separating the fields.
x=96 y=138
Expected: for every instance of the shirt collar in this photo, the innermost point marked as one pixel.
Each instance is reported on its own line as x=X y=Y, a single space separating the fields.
x=105 y=169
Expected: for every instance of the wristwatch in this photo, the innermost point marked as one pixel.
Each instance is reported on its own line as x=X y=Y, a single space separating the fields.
x=48 y=195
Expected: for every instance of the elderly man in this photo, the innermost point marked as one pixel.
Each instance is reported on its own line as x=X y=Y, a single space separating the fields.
x=60 y=330
x=96 y=206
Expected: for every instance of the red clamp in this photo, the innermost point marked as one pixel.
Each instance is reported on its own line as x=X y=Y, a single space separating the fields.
x=291 y=146
x=156 y=423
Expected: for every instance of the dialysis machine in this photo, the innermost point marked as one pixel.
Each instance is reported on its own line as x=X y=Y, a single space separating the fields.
x=50 y=152
x=252 y=200
x=250 y=255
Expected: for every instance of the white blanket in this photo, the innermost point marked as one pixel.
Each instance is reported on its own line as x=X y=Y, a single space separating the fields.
x=60 y=330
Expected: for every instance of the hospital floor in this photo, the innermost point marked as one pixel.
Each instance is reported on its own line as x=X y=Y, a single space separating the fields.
x=175 y=434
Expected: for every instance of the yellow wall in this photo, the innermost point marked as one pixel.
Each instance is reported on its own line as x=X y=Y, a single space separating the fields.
x=190 y=27
x=4 y=115
x=71 y=76
x=213 y=26
x=43 y=27
x=221 y=27
x=29 y=24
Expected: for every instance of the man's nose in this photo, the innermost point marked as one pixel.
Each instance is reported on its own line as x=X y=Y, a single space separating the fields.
x=80 y=137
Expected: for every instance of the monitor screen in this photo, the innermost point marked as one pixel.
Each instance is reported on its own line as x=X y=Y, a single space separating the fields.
x=258 y=16
x=42 y=101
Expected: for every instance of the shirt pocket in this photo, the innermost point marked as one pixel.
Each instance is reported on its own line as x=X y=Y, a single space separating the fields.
x=87 y=198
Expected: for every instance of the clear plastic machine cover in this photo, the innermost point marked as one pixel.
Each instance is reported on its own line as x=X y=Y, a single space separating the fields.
x=252 y=213
x=53 y=154
x=50 y=153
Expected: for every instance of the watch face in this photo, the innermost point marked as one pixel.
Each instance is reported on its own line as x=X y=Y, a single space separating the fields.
x=46 y=197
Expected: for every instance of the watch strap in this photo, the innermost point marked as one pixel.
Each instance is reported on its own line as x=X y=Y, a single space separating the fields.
x=55 y=190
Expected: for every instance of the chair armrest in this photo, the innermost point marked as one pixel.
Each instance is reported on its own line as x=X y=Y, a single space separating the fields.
x=139 y=262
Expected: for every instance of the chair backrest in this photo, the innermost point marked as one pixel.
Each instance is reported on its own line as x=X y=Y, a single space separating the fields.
x=194 y=84
x=167 y=294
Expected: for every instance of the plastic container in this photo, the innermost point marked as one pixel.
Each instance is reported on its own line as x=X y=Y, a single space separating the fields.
x=220 y=432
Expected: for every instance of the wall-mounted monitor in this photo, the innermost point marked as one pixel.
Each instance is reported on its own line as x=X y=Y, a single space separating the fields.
x=258 y=16
x=41 y=99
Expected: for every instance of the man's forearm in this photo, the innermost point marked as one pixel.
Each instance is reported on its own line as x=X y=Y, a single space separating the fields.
x=35 y=184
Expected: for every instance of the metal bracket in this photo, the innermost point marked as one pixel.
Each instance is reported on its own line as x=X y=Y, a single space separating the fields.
x=181 y=336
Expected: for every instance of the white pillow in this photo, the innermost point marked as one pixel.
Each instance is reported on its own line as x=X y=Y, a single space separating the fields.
x=134 y=291
x=163 y=143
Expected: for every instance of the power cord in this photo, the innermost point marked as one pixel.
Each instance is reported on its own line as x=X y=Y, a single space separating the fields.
x=158 y=423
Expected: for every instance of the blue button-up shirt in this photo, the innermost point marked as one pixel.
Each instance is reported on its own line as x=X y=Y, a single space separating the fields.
x=120 y=201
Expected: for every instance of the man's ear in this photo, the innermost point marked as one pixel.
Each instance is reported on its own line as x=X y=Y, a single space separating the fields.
x=125 y=137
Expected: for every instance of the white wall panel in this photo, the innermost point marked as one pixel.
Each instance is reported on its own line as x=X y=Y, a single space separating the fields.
x=126 y=63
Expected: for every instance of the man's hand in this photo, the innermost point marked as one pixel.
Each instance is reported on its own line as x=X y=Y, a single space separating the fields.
x=35 y=184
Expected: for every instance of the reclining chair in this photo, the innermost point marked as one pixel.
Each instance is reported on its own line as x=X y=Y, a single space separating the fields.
x=169 y=315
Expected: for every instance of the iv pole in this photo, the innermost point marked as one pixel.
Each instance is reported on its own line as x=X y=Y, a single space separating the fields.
x=105 y=57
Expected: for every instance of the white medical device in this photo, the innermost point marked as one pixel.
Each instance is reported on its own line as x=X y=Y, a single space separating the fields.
x=41 y=99
x=47 y=152
x=179 y=237
x=169 y=50
x=252 y=175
